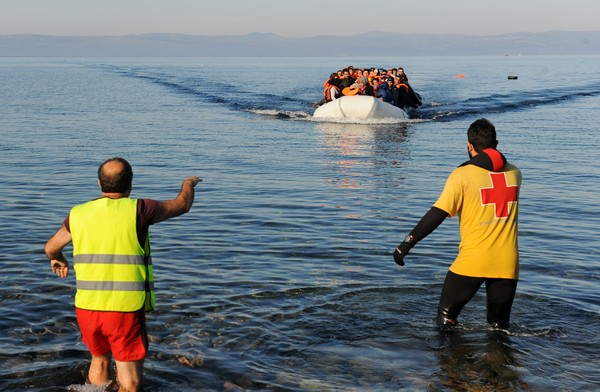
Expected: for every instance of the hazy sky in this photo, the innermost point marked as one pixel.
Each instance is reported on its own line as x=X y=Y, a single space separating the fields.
x=295 y=18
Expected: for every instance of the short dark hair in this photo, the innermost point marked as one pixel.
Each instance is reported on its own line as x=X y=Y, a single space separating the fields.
x=482 y=134
x=116 y=183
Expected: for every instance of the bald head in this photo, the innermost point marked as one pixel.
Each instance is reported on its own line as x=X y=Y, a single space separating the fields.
x=115 y=176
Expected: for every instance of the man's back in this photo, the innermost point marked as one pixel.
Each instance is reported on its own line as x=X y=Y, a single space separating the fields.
x=113 y=271
x=487 y=203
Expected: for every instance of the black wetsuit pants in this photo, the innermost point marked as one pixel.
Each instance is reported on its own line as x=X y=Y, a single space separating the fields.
x=459 y=289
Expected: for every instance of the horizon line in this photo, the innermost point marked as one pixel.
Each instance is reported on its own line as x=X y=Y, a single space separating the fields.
x=293 y=37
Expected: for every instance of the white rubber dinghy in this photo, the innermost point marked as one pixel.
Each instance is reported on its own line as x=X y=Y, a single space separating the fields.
x=359 y=107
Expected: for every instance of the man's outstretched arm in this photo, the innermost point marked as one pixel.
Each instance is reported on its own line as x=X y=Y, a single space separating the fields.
x=181 y=204
x=430 y=221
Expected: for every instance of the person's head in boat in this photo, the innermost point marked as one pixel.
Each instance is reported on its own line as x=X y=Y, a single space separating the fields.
x=335 y=81
x=399 y=82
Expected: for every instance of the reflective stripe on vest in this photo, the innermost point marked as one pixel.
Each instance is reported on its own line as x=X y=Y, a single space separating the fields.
x=113 y=272
x=121 y=286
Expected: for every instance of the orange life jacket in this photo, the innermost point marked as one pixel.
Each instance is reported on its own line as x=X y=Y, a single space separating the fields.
x=327 y=91
x=403 y=85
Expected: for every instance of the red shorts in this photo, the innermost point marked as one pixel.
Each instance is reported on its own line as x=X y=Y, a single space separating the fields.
x=122 y=334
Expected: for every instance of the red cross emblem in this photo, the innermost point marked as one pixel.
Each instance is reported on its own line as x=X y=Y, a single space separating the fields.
x=500 y=194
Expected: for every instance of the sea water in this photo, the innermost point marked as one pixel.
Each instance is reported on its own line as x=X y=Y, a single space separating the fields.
x=281 y=276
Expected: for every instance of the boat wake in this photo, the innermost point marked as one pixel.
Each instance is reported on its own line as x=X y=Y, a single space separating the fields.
x=231 y=95
x=501 y=103
x=282 y=114
x=292 y=106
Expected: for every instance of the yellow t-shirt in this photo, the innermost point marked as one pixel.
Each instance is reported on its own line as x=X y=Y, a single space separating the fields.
x=486 y=203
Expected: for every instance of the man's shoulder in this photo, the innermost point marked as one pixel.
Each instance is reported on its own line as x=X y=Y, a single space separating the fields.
x=147 y=209
x=464 y=170
x=510 y=166
x=514 y=171
x=85 y=204
x=146 y=200
x=144 y=204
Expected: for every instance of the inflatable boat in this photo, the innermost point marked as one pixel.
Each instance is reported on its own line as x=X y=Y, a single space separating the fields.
x=359 y=107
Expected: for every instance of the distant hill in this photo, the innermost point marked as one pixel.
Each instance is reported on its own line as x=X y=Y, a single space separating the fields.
x=271 y=45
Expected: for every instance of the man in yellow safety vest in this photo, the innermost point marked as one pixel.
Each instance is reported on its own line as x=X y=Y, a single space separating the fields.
x=113 y=269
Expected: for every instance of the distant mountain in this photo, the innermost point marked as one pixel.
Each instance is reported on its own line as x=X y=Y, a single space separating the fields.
x=271 y=45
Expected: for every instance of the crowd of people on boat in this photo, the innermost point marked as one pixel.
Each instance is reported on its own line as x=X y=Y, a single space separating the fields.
x=390 y=85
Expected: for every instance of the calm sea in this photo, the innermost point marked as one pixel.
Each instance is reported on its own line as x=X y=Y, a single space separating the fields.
x=281 y=277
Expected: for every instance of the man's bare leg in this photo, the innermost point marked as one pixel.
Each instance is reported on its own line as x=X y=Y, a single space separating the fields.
x=99 y=373
x=129 y=375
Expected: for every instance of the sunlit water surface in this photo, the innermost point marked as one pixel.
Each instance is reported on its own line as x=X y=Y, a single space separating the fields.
x=281 y=278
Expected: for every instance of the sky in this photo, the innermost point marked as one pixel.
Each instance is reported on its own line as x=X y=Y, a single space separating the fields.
x=295 y=18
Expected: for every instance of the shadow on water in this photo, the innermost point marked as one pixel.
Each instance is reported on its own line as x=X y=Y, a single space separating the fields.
x=476 y=361
x=52 y=371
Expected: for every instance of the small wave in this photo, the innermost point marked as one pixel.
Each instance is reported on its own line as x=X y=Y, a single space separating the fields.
x=305 y=116
x=515 y=330
x=522 y=332
x=500 y=103
x=378 y=121
x=228 y=95
x=88 y=388
x=434 y=104
x=285 y=114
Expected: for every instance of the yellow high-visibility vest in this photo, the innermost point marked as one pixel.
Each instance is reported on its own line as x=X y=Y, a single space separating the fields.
x=113 y=272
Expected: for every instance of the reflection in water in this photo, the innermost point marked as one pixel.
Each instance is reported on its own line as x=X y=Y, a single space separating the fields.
x=470 y=362
x=354 y=149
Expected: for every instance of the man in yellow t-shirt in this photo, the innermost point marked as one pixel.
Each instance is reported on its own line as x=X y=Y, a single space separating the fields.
x=484 y=193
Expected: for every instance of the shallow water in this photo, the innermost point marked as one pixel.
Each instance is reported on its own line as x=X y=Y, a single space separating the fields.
x=280 y=278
